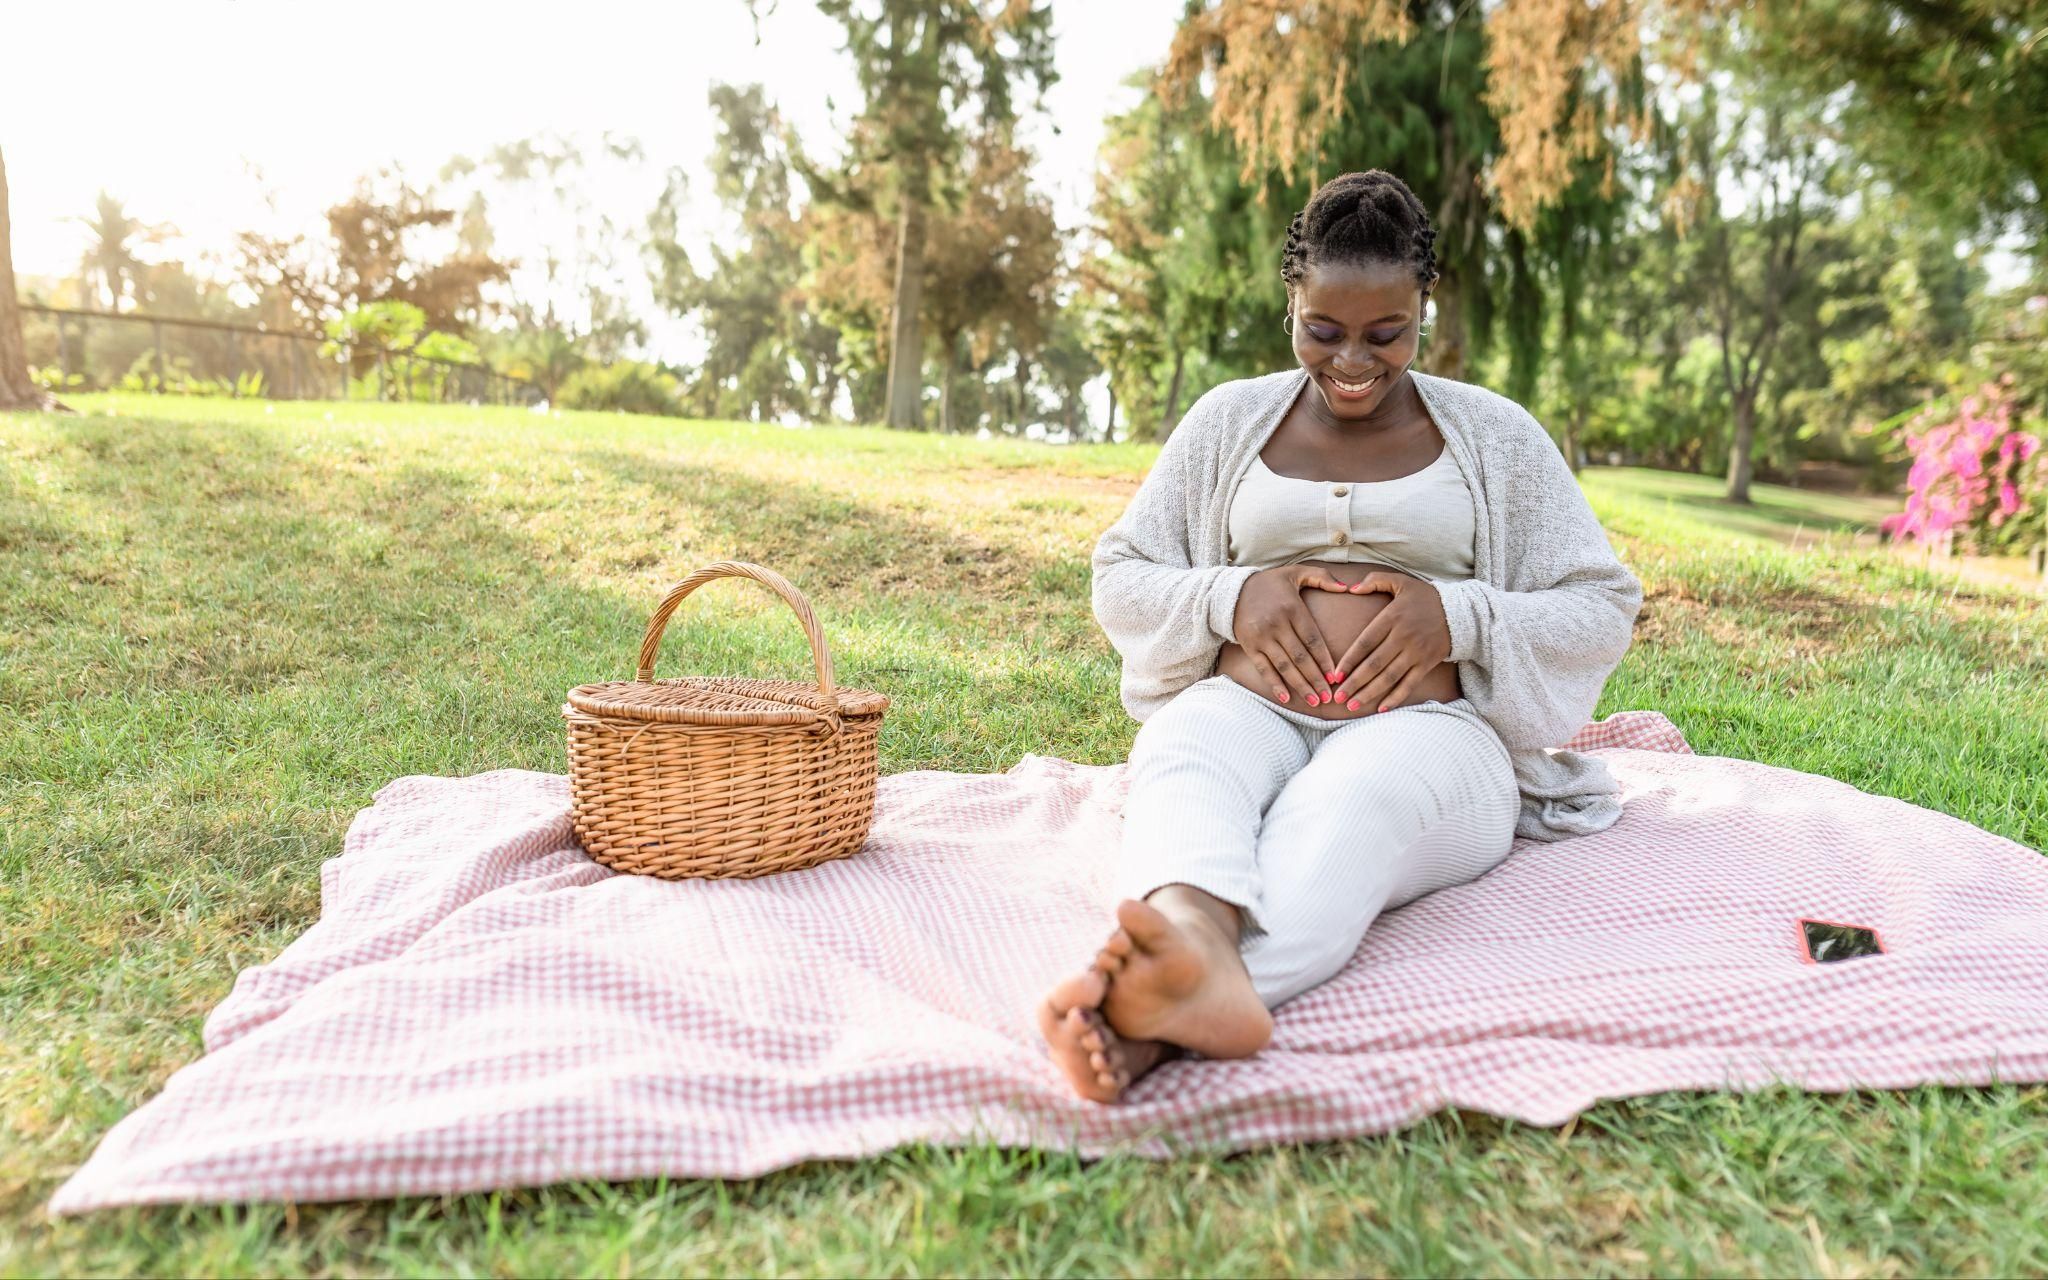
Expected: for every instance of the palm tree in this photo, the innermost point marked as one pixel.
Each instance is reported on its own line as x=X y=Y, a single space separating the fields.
x=110 y=257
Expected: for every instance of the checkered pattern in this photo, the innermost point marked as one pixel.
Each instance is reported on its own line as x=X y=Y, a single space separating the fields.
x=480 y=1005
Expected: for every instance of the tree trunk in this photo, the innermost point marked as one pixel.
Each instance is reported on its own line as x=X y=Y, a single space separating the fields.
x=16 y=391
x=1171 y=418
x=1109 y=431
x=1738 y=456
x=946 y=371
x=1444 y=348
x=906 y=371
x=1574 y=427
x=1020 y=394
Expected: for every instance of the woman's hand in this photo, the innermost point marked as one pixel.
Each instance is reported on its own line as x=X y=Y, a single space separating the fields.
x=1400 y=648
x=1280 y=636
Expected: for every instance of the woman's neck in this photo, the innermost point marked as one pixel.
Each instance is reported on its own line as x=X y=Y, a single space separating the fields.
x=1399 y=409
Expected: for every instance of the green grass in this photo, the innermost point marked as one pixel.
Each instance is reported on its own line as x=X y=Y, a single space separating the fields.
x=227 y=624
x=1775 y=514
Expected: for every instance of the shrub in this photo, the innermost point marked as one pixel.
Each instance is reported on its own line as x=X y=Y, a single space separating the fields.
x=1975 y=474
x=180 y=380
x=625 y=387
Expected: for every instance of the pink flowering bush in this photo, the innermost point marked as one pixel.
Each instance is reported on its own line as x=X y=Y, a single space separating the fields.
x=1975 y=474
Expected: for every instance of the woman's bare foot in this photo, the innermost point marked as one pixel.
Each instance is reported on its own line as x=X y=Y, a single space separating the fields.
x=1099 y=1063
x=1178 y=977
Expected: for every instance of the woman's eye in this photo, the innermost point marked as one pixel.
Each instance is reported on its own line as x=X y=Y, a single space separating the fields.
x=1378 y=337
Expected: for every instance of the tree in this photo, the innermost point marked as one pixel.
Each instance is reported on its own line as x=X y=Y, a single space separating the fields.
x=990 y=270
x=1067 y=366
x=380 y=249
x=579 y=293
x=1749 y=267
x=16 y=390
x=1945 y=100
x=990 y=267
x=920 y=64
x=1152 y=274
x=111 y=259
x=1306 y=90
x=1557 y=75
x=770 y=351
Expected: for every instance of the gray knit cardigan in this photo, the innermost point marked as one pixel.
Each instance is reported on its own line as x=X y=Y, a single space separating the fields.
x=1544 y=620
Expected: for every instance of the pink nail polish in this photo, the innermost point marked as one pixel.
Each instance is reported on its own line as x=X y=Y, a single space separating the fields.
x=1353 y=704
x=1383 y=707
x=1283 y=695
x=1311 y=699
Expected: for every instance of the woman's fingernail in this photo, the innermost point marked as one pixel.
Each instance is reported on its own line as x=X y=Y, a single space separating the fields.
x=1283 y=695
x=1353 y=704
x=1336 y=677
x=1311 y=699
x=1383 y=706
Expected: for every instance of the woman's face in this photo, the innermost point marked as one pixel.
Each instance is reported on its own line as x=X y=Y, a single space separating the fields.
x=1355 y=325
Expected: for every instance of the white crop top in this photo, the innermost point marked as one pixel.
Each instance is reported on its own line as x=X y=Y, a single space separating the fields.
x=1420 y=523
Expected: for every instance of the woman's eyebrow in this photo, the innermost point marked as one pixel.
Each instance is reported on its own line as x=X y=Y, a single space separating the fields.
x=1390 y=317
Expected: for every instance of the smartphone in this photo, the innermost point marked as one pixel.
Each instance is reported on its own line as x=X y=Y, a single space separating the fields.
x=1829 y=940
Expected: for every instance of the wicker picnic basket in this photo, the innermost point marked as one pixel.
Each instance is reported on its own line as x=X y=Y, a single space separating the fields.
x=722 y=777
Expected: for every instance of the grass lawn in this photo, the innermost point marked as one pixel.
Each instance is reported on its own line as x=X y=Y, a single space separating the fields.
x=1776 y=514
x=228 y=623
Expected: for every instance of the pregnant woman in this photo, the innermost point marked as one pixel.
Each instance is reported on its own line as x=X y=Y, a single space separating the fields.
x=1356 y=606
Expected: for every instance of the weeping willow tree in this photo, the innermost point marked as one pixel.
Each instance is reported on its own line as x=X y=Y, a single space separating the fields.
x=1500 y=126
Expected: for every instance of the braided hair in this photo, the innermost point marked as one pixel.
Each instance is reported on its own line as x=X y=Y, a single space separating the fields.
x=1360 y=218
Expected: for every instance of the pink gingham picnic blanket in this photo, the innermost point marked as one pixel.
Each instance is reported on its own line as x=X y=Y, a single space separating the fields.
x=481 y=1005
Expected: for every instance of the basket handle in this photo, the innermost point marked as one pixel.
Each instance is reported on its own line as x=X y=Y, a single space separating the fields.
x=759 y=573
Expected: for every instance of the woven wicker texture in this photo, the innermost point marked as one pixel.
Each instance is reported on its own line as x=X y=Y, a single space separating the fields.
x=720 y=776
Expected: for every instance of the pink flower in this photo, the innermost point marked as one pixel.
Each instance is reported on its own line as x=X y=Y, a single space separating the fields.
x=1967 y=464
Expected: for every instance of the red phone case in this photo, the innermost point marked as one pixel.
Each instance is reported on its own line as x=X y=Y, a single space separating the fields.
x=1806 y=952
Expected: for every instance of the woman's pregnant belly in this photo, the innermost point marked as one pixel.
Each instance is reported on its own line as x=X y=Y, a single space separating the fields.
x=1340 y=617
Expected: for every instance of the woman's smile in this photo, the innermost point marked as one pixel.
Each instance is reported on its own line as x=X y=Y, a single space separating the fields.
x=1351 y=389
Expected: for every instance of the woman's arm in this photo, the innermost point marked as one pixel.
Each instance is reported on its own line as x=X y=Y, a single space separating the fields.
x=1164 y=616
x=1533 y=657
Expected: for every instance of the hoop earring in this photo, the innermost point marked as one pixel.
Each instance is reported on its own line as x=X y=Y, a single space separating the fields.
x=1287 y=324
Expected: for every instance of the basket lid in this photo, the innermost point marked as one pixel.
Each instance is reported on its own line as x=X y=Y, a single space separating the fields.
x=721 y=700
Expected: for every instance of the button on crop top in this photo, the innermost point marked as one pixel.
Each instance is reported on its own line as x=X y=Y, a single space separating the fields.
x=1420 y=523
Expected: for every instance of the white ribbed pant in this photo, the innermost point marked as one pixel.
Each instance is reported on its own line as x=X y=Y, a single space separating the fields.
x=1311 y=827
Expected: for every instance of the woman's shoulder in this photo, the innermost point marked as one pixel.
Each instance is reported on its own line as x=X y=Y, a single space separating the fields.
x=1485 y=412
x=1226 y=400
x=1468 y=396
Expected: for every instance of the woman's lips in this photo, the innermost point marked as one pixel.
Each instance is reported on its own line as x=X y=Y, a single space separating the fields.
x=1343 y=394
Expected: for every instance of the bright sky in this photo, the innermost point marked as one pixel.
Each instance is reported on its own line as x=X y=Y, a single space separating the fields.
x=166 y=105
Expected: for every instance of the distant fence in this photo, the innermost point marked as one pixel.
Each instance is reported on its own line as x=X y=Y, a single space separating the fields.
x=102 y=350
